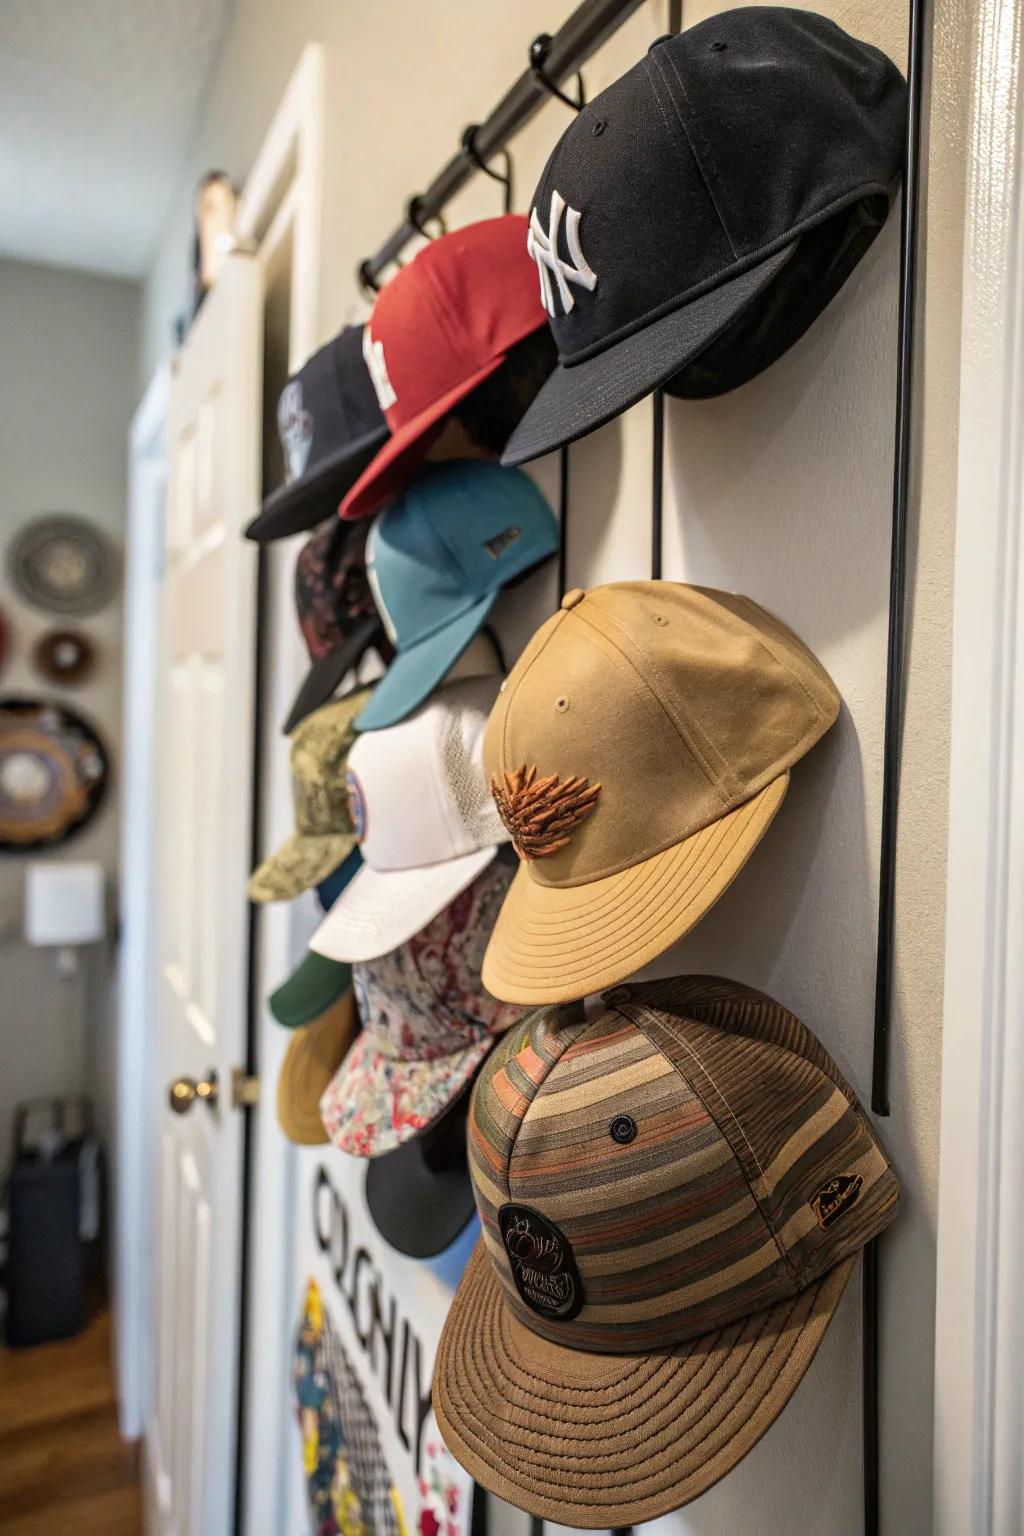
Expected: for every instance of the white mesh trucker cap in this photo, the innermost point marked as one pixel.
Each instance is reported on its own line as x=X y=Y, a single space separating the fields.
x=425 y=820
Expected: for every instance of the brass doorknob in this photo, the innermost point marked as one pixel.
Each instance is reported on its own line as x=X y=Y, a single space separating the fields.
x=184 y=1091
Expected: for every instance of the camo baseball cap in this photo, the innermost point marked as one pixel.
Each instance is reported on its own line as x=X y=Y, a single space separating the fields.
x=672 y=1197
x=324 y=836
x=428 y=1023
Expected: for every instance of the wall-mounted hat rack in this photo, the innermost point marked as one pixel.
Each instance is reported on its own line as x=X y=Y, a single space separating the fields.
x=553 y=61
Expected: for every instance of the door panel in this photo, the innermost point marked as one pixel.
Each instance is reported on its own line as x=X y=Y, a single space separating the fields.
x=204 y=725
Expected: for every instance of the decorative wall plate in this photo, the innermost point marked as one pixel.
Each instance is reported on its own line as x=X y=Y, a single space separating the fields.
x=53 y=774
x=64 y=656
x=63 y=564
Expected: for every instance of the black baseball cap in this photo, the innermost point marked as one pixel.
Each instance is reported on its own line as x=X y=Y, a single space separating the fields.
x=420 y=1196
x=330 y=426
x=699 y=214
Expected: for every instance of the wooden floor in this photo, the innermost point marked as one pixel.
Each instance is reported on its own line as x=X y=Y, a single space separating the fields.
x=63 y=1466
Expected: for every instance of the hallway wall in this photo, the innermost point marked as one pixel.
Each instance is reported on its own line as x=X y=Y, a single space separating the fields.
x=69 y=346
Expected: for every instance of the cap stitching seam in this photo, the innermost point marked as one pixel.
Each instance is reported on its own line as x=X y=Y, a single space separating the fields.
x=653 y=76
x=561 y=615
x=706 y=173
x=581 y=1027
x=664 y=1023
x=686 y=732
x=781 y=660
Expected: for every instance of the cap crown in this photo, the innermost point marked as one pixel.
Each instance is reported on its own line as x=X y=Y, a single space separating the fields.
x=458 y=534
x=332 y=593
x=320 y=749
x=751 y=1169
x=426 y=998
x=417 y=793
x=680 y=702
x=329 y=404
x=718 y=148
x=457 y=307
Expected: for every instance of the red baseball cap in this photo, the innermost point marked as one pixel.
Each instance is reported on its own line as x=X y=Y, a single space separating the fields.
x=441 y=326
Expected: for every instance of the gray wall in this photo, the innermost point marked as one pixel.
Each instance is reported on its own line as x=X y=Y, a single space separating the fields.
x=781 y=490
x=68 y=344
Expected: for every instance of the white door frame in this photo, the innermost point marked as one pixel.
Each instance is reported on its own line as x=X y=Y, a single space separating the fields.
x=147 y=479
x=979 y=1375
x=282 y=201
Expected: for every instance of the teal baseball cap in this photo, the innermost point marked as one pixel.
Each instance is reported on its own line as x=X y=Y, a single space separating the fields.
x=436 y=560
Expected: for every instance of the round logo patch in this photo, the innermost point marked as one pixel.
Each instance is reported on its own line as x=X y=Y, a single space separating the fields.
x=356 y=804
x=542 y=1263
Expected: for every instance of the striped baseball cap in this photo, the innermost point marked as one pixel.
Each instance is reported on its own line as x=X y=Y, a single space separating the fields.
x=672 y=1197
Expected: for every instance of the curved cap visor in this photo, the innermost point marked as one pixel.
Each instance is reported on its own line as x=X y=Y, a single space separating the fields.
x=326 y=675
x=314 y=1054
x=401 y=1098
x=414 y=674
x=556 y=944
x=578 y=399
x=301 y=504
x=393 y=466
x=312 y=987
x=298 y=865
x=601 y=1441
x=381 y=909
x=419 y=1210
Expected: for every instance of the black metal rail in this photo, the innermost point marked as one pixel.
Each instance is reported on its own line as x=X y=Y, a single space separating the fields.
x=583 y=33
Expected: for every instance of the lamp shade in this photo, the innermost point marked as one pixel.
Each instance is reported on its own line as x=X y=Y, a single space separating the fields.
x=64 y=903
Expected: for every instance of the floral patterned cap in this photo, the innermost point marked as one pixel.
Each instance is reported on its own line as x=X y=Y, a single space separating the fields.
x=428 y=1023
x=336 y=613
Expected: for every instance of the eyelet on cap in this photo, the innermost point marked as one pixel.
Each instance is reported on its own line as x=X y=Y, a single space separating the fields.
x=562 y=703
x=622 y=1129
x=576 y=595
x=659 y=618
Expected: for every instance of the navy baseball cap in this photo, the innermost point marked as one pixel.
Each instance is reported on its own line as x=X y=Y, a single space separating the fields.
x=437 y=559
x=695 y=217
x=330 y=426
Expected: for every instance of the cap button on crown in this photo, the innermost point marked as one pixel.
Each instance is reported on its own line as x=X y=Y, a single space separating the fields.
x=572 y=598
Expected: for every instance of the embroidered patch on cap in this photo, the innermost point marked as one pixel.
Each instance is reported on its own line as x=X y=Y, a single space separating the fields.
x=376 y=363
x=356 y=804
x=295 y=429
x=542 y=1263
x=497 y=546
x=543 y=247
x=836 y=1197
x=541 y=813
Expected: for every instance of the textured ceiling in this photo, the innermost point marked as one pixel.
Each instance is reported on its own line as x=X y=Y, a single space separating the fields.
x=97 y=103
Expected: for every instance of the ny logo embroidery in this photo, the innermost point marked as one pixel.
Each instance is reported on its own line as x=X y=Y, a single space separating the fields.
x=373 y=356
x=544 y=250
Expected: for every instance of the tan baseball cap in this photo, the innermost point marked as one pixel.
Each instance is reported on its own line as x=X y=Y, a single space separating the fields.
x=672 y=1196
x=314 y=1054
x=324 y=835
x=637 y=753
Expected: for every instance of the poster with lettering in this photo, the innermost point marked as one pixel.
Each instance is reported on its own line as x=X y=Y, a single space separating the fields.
x=367 y=1325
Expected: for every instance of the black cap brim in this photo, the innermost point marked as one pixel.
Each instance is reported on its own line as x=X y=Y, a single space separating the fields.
x=325 y=676
x=578 y=400
x=420 y=1211
x=302 y=504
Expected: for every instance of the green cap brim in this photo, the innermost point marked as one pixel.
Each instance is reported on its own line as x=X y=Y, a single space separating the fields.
x=313 y=986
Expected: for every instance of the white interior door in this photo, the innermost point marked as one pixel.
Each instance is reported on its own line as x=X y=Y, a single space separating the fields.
x=204 y=726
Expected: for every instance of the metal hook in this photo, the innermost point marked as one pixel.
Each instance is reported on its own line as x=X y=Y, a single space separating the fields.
x=539 y=50
x=415 y=216
x=470 y=149
x=367 y=282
